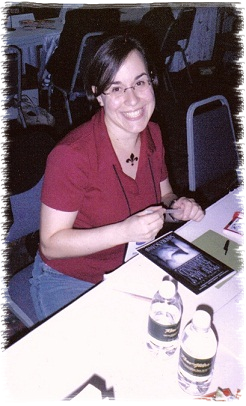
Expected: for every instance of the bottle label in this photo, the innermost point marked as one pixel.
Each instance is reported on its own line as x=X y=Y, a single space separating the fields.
x=195 y=366
x=163 y=332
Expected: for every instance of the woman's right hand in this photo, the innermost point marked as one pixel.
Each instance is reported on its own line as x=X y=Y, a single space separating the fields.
x=59 y=239
x=145 y=225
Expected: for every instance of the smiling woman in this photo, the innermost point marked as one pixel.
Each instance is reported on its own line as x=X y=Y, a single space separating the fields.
x=106 y=183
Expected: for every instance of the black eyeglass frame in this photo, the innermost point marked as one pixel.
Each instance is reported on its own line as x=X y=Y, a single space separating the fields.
x=149 y=81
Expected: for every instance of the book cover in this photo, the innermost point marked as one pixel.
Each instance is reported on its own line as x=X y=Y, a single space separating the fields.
x=234 y=229
x=217 y=245
x=185 y=262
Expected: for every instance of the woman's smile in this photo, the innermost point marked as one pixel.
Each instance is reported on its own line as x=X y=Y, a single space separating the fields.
x=133 y=115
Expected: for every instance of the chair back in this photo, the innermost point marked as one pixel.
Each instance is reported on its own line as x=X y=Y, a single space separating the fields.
x=88 y=47
x=13 y=80
x=13 y=70
x=211 y=142
x=180 y=29
x=26 y=213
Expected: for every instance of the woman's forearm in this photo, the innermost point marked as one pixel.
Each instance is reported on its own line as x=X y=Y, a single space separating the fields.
x=76 y=242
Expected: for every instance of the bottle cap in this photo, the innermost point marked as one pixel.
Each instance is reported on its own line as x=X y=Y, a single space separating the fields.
x=201 y=320
x=167 y=289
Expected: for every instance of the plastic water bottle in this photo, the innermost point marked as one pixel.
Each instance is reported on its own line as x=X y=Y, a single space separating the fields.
x=197 y=355
x=164 y=320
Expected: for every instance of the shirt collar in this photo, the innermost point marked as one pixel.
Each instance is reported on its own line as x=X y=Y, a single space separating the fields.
x=104 y=149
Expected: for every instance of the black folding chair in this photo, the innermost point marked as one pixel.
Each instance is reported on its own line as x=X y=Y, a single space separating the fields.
x=76 y=87
x=177 y=40
x=211 y=144
x=26 y=211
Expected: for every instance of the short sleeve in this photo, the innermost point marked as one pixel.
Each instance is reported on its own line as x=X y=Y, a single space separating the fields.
x=65 y=178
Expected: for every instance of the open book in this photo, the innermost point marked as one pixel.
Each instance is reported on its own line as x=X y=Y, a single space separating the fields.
x=187 y=263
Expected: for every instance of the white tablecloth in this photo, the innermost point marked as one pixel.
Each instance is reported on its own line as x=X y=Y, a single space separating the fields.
x=49 y=45
x=33 y=43
x=103 y=333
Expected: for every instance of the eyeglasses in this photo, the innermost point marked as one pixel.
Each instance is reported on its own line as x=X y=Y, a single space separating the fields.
x=139 y=87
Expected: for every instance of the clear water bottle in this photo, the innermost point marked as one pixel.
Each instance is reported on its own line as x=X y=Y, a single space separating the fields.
x=164 y=320
x=197 y=355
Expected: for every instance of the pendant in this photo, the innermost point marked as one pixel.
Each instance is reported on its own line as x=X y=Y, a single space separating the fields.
x=132 y=159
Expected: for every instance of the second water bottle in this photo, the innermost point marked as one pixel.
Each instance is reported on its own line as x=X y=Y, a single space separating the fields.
x=164 y=320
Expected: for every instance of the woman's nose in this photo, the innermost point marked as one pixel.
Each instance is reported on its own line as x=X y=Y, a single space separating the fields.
x=130 y=96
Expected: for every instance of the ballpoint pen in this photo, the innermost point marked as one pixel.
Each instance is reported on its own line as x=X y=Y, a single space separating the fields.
x=226 y=246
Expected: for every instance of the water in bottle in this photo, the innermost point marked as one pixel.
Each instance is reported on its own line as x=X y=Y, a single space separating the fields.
x=197 y=355
x=164 y=320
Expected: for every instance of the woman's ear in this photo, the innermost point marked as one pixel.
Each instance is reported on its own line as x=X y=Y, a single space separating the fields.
x=100 y=101
x=99 y=98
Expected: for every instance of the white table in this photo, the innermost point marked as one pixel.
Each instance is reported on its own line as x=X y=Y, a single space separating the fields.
x=103 y=333
x=29 y=41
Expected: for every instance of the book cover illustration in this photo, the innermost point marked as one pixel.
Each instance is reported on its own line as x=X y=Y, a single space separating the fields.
x=188 y=264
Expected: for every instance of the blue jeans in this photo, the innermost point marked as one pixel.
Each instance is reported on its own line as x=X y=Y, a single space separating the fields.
x=52 y=290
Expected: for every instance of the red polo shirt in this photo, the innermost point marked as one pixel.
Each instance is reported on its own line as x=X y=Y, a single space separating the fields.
x=83 y=174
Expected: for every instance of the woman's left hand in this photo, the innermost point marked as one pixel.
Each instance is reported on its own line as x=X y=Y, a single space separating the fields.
x=189 y=209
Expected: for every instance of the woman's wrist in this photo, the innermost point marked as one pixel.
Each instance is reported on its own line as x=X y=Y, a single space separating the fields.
x=170 y=206
x=168 y=200
x=172 y=202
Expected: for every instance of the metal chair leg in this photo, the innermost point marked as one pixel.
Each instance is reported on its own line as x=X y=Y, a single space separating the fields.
x=187 y=66
x=50 y=91
x=168 y=83
x=67 y=106
x=22 y=118
x=166 y=77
